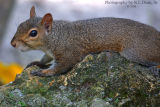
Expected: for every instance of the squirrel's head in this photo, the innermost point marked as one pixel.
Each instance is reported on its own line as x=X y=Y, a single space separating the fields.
x=30 y=34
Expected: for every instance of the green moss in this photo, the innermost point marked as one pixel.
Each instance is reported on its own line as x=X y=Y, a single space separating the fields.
x=21 y=104
x=99 y=80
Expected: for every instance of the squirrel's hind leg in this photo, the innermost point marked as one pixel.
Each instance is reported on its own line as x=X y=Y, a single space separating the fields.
x=143 y=60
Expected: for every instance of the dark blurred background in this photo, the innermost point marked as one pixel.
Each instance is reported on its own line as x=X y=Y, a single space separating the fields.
x=13 y=12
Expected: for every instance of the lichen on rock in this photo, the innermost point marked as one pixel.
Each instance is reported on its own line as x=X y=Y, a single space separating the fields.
x=100 y=80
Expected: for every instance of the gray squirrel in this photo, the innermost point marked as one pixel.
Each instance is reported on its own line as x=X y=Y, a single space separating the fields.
x=69 y=42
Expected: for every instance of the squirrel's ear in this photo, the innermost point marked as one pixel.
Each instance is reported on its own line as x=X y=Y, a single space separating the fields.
x=47 y=21
x=32 y=12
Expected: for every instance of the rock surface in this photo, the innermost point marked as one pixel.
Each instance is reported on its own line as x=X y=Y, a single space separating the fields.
x=101 y=80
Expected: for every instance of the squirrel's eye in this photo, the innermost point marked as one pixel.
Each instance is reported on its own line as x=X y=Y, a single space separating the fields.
x=33 y=33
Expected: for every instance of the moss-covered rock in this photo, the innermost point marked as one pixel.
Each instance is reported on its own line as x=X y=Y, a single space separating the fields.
x=101 y=80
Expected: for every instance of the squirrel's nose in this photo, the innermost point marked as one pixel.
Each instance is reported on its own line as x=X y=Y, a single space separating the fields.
x=13 y=44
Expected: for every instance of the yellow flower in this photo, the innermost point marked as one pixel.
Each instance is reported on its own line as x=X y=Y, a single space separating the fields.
x=9 y=72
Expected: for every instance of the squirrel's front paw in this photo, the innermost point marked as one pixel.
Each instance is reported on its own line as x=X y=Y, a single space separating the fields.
x=39 y=64
x=42 y=73
x=38 y=73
